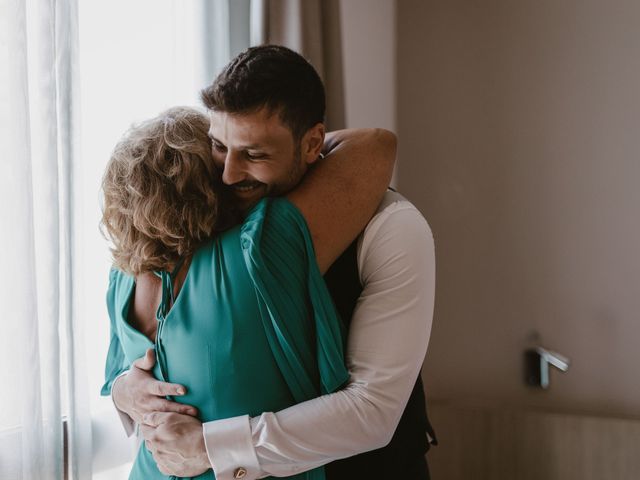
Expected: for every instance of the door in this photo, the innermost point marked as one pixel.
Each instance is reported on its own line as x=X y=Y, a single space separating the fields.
x=519 y=137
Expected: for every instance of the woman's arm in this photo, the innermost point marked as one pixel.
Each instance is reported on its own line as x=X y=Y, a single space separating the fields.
x=341 y=192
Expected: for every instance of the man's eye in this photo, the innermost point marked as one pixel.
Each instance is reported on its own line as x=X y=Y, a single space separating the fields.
x=256 y=155
x=218 y=147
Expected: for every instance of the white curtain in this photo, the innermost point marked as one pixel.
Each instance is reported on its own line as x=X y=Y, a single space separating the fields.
x=39 y=138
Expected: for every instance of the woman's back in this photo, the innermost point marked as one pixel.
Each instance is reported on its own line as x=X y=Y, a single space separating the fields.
x=241 y=334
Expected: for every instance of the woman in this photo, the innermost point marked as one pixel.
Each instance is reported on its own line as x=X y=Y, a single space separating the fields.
x=244 y=319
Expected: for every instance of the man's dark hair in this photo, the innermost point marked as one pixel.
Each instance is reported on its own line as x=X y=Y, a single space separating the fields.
x=270 y=76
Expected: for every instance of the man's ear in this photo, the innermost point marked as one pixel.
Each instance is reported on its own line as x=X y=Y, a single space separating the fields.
x=312 y=143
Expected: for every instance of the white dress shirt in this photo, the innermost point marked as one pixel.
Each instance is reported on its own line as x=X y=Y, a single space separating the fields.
x=386 y=347
x=387 y=344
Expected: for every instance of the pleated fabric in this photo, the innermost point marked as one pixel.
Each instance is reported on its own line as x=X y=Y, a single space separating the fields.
x=270 y=273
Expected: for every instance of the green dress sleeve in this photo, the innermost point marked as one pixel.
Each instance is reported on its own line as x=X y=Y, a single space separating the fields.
x=116 y=362
x=279 y=255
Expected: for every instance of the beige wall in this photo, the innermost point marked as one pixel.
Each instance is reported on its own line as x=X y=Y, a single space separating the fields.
x=369 y=62
x=519 y=126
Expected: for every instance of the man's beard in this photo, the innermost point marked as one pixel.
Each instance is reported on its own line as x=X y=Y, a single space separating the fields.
x=296 y=173
x=241 y=190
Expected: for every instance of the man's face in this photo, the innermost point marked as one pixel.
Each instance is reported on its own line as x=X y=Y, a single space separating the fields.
x=256 y=154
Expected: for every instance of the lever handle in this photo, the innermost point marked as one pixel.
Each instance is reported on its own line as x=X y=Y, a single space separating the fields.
x=537 y=361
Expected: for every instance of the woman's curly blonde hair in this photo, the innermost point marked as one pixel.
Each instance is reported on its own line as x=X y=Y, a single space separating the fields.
x=162 y=193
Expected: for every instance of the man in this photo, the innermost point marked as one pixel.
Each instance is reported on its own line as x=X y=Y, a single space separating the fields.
x=262 y=105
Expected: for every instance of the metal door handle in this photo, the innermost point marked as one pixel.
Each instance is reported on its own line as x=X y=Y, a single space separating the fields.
x=537 y=361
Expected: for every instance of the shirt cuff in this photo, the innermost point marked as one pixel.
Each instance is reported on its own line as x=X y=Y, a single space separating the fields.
x=237 y=459
x=130 y=427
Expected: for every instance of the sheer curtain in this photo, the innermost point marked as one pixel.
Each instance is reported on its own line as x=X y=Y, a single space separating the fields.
x=38 y=135
x=136 y=59
x=133 y=59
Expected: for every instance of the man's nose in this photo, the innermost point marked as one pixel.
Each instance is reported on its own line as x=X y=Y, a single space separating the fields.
x=234 y=170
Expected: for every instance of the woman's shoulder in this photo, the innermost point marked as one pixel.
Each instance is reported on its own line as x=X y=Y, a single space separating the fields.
x=275 y=214
x=120 y=284
x=272 y=225
x=274 y=235
x=119 y=279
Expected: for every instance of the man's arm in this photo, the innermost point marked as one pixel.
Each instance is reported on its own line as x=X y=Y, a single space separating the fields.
x=387 y=344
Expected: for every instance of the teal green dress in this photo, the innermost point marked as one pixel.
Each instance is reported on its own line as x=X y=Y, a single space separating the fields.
x=252 y=330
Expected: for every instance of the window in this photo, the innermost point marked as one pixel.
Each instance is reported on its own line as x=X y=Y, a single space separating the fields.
x=136 y=59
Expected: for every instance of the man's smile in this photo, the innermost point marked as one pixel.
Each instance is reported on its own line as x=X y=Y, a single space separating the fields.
x=246 y=188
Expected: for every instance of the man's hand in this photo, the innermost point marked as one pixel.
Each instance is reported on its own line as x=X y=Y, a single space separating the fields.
x=176 y=443
x=138 y=393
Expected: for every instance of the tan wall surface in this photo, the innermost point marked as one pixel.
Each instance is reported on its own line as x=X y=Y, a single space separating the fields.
x=519 y=126
x=369 y=62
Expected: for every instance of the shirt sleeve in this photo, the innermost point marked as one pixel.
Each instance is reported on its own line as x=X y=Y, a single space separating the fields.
x=387 y=344
x=116 y=364
x=129 y=425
